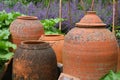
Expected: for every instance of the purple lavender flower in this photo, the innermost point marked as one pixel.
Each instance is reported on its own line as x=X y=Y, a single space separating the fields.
x=39 y=10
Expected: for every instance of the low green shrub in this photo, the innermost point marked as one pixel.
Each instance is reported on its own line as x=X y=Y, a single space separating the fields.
x=111 y=76
x=49 y=25
x=5 y=44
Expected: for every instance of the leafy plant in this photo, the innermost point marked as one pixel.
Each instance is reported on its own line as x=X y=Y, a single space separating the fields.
x=117 y=32
x=111 y=76
x=91 y=4
x=11 y=3
x=49 y=25
x=5 y=44
x=7 y=18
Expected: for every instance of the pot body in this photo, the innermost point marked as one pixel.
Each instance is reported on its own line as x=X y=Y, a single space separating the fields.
x=25 y=28
x=89 y=53
x=56 y=42
x=34 y=61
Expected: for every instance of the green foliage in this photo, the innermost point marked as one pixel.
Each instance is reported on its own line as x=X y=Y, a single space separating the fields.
x=4 y=34
x=7 y=18
x=117 y=34
x=5 y=44
x=11 y=3
x=111 y=76
x=49 y=25
x=89 y=3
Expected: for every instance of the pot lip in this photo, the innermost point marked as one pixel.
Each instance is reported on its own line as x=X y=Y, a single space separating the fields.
x=90 y=25
x=27 y=17
x=30 y=42
x=51 y=37
x=34 y=44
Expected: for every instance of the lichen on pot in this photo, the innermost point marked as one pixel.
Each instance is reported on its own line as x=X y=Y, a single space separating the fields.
x=34 y=60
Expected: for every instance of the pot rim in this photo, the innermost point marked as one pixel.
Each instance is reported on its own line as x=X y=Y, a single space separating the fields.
x=34 y=44
x=31 y=42
x=51 y=37
x=89 y=25
x=27 y=17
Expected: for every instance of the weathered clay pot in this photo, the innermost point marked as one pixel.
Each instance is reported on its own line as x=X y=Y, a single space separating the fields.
x=56 y=41
x=25 y=28
x=34 y=60
x=90 y=50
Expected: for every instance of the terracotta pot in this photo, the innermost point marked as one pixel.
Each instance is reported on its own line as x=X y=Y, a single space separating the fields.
x=90 y=50
x=25 y=28
x=34 y=60
x=56 y=42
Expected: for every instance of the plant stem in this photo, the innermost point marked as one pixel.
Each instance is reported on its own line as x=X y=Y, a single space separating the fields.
x=92 y=5
x=60 y=14
x=69 y=12
x=116 y=12
x=48 y=7
x=82 y=4
x=113 y=26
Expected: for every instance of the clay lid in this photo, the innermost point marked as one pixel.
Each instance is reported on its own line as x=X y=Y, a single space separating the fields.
x=27 y=17
x=90 y=20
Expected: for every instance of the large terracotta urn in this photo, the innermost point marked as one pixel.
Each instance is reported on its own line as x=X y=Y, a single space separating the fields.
x=34 y=60
x=56 y=41
x=25 y=28
x=90 y=50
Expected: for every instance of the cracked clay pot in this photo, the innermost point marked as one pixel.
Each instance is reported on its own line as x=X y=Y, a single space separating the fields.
x=90 y=50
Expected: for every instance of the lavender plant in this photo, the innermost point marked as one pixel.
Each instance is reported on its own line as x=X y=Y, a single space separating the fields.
x=104 y=11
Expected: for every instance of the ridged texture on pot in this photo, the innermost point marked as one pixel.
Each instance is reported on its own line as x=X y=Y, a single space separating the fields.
x=56 y=42
x=25 y=28
x=34 y=61
x=90 y=52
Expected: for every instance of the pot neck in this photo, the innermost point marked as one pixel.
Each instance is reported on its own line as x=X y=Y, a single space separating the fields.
x=34 y=45
x=27 y=17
